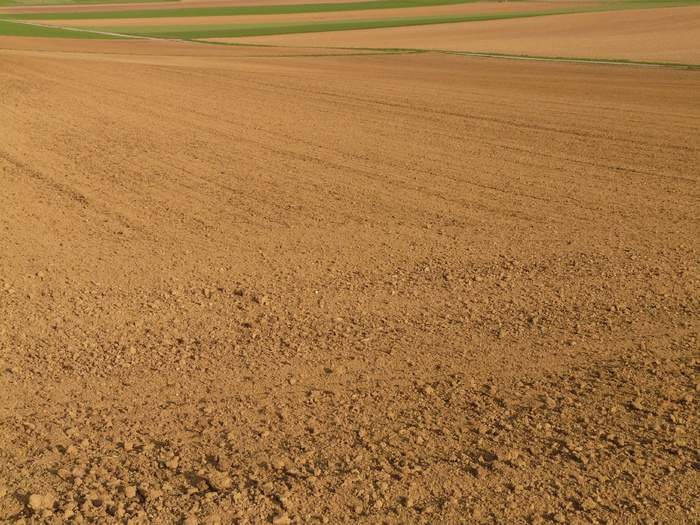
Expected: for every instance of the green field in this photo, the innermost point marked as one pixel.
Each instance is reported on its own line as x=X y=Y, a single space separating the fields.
x=194 y=31
x=28 y=3
x=244 y=10
x=201 y=31
x=18 y=29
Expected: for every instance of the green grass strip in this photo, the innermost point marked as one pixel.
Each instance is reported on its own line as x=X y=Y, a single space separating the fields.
x=274 y=9
x=29 y=3
x=240 y=10
x=19 y=29
x=190 y=32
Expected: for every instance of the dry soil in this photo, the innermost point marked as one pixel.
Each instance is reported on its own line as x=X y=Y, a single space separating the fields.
x=396 y=289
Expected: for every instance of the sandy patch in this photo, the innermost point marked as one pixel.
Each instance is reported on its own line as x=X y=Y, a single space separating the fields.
x=663 y=35
x=460 y=9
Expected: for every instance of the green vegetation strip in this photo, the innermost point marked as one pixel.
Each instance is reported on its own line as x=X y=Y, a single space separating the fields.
x=28 y=3
x=240 y=10
x=189 y=32
x=20 y=29
x=273 y=9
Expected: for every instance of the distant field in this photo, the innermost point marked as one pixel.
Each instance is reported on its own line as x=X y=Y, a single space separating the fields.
x=19 y=29
x=28 y=3
x=243 y=10
x=238 y=30
x=374 y=21
x=194 y=31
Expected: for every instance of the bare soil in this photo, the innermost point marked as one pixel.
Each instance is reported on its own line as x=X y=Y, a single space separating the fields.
x=661 y=35
x=392 y=289
x=158 y=47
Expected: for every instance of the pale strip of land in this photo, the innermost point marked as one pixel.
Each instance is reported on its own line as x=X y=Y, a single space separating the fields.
x=458 y=9
x=659 y=35
x=159 y=47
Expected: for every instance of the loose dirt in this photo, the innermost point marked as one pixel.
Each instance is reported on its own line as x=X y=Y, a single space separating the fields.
x=661 y=35
x=397 y=289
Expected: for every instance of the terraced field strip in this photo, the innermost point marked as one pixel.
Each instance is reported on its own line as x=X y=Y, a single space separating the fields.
x=18 y=28
x=242 y=10
x=31 y=3
x=263 y=29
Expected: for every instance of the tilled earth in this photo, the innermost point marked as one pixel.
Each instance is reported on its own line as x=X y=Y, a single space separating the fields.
x=396 y=289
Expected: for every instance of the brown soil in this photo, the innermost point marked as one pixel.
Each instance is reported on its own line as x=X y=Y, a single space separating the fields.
x=662 y=35
x=458 y=9
x=397 y=289
x=155 y=47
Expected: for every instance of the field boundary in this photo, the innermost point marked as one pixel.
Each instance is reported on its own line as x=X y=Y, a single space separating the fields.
x=619 y=62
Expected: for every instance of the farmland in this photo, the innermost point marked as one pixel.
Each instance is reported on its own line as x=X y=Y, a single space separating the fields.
x=272 y=262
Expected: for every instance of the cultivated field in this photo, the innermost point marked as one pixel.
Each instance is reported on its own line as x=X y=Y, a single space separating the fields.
x=242 y=285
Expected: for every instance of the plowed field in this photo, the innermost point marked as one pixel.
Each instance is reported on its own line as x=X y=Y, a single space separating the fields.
x=390 y=289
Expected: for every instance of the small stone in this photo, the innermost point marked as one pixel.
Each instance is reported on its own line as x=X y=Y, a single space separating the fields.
x=637 y=405
x=190 y=521
x=130 y=491
x=281 y=519
x=40 y=501
x=588 y=504
x=559 y=517
x=3 y=491
x=219 y=481
x=63 y=473
x=172 y=463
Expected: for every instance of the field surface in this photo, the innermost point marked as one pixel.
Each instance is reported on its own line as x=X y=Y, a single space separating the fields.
x=656 y=35
x=472 y=8
x=241 y=285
